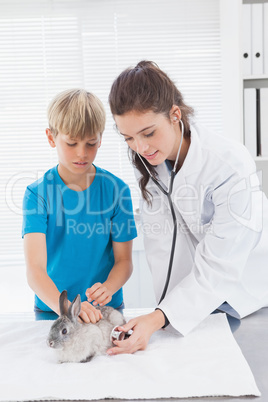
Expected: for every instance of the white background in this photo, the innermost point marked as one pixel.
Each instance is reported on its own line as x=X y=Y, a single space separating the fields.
x=51 y=45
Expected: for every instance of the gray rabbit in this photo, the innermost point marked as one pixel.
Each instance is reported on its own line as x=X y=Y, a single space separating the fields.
x=79 y=342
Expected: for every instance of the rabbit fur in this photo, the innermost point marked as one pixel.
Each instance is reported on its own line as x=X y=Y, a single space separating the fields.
x=79 y=342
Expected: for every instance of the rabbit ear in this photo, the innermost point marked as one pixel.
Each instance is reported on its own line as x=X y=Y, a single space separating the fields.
x=75 y=308
x=63 y=302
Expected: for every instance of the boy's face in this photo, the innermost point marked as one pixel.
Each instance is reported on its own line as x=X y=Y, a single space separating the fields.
x=75 y=155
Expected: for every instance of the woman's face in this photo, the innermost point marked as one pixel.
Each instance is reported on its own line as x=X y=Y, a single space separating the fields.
x=152 y=135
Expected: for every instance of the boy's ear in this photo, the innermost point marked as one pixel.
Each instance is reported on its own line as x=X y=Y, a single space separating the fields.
x=50 y=138
x=100 y=142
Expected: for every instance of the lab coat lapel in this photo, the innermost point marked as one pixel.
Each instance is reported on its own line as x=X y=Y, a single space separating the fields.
x=192 y=164
x=193 y=161
x=185 y=186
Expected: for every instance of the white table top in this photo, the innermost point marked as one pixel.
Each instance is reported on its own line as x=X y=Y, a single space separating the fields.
x=251 y=334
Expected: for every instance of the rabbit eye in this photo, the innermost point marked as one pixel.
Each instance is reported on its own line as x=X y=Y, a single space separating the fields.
x=64 y=331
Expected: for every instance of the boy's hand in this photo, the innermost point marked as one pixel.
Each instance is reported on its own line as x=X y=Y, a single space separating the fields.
x=88 y=313
x=99 y=293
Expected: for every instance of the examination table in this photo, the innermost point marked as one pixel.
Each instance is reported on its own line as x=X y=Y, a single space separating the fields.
x=251 y=334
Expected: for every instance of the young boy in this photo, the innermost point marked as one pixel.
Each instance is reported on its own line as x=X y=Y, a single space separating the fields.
x=78 y=221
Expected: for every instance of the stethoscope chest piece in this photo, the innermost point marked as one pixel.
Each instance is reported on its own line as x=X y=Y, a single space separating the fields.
x=117 y=335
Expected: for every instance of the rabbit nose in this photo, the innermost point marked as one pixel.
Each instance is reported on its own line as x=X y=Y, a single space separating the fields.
x=50 y=343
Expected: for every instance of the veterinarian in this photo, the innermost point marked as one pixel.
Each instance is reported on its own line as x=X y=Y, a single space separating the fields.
x=204 y=215
x=78 y=222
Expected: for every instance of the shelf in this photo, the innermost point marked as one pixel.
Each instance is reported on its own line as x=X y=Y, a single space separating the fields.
x=261 y=159
x=256 y=77
x=260 y=82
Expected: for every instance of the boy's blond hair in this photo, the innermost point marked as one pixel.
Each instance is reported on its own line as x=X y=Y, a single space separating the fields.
x=77 y=113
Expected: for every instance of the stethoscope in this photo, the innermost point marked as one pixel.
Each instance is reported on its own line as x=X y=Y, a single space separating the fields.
x=121 y=335
x=168 y=195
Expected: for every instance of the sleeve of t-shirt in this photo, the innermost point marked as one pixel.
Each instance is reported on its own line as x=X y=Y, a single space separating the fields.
x=123 y=223
x=34 y=213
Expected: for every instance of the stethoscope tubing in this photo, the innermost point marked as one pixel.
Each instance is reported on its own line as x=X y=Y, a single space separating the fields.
x=171 y=205
x=174 y=238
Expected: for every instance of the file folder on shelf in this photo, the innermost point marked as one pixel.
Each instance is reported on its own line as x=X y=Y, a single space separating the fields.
x=247 y=53
x=265 y=38
x=257 y=38
x=250 y=120
x=264 y=121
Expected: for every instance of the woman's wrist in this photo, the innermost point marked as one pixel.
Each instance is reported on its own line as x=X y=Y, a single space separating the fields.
x=158 y=319
x=166 y=319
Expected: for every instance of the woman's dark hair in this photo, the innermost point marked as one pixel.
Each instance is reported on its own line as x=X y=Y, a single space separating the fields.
x=143 y=88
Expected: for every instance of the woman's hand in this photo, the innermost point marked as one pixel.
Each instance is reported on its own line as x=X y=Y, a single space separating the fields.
x=100 y=293
x=89 y=313
x=143 y=327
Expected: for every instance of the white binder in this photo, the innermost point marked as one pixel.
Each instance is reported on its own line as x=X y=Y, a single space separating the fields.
x=265 y=38
x=250 y=120
x=257 y=38
x=246 y=40
x=264 y=121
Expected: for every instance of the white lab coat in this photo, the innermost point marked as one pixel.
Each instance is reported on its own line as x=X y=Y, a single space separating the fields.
x=222 y=242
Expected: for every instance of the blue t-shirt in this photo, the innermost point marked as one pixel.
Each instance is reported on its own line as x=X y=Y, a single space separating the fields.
x=79 y=227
